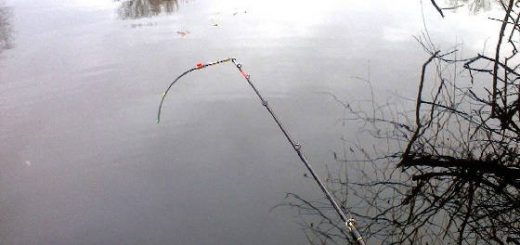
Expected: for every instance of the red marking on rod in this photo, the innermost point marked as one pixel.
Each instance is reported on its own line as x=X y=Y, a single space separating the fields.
x=199 y=65
x=243 y=74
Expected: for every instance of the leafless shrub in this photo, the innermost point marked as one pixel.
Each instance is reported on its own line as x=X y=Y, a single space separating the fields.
x=451 y=171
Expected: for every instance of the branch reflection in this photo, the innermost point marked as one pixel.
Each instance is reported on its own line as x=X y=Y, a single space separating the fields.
x=5 y=28
x=474 y=6
x=135 y=9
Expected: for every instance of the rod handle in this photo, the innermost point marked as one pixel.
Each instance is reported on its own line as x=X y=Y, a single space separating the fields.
x=358 y=239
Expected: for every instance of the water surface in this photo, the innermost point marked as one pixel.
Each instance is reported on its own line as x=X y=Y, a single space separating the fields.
x=83 y=162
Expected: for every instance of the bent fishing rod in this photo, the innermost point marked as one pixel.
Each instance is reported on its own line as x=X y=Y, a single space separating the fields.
x=349 y=222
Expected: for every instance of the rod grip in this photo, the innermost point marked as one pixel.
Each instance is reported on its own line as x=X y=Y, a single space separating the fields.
x=358 y=239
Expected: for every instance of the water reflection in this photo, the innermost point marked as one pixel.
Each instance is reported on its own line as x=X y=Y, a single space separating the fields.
x=135 y=9
x=5 y=28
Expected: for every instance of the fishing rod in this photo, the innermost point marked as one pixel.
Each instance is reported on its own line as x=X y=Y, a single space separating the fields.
x=349 y=222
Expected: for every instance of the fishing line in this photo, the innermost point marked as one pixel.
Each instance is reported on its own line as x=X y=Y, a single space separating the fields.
x=349 y=221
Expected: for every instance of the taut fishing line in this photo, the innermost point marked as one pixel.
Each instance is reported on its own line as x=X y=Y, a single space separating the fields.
x=349 y=222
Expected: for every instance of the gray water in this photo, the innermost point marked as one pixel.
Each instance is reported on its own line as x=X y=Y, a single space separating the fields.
x=83 y=161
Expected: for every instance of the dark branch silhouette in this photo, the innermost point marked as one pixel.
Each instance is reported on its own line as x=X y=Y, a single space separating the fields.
x=450 y=172
x=437 y=8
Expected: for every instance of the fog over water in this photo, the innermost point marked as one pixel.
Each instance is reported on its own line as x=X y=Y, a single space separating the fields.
x=84 y=162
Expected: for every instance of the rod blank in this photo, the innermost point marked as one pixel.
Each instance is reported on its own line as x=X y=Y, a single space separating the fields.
x=349 y=222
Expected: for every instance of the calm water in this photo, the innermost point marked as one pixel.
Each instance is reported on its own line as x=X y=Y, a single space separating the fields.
x=83 y=162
